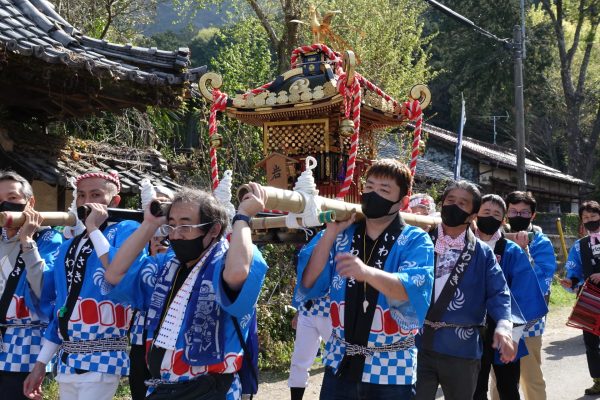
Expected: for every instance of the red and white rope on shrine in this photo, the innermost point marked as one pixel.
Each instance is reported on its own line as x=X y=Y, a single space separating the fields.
x=351 y=93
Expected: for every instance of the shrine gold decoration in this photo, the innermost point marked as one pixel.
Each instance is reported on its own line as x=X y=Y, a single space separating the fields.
x=210 y=78
x=421 y=92
x=305 y=136
x=349 y=64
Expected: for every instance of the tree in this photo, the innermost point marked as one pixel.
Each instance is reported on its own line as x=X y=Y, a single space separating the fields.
x=482 y=69
x=582 y=98
x=389 y=40
x=385 y=32
x=115 y=19
x=273 y=16
x=469 y=63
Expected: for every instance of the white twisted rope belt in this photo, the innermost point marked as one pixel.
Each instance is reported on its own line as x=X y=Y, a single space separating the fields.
x=95 y=346
x=357 y=349
x=441 y=324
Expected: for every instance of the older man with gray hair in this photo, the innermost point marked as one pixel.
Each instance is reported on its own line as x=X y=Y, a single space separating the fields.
x=26 y=258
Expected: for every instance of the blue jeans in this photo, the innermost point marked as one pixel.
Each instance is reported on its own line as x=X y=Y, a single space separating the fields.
x=335 y=388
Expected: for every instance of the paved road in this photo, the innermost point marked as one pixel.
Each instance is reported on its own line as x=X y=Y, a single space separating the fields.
x=565 y=367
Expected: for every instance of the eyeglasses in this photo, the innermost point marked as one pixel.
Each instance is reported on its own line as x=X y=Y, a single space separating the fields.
x=514 y=213
x=166 y=230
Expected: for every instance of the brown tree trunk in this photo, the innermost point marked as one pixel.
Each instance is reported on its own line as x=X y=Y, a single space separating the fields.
x=290 y=39
x=580 y=164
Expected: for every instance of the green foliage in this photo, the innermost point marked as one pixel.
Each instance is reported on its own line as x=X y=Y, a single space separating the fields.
x=468 y=62
x=244 y=57
x=570 y=223
x=388 y=37
x=108 y=19
x=274 y=315
x=131 y=128
x=50 y=389
x=559 y=297
x=482 y=69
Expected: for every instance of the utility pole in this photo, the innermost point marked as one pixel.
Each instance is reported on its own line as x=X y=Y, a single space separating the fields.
x=516 y=46
x=519 y=109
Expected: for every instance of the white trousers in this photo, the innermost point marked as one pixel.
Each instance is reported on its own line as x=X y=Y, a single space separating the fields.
x=88 y=386
x=310 y=330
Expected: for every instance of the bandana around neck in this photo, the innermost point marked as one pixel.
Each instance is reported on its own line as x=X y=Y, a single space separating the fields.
x=194 y=310
x=445 y=242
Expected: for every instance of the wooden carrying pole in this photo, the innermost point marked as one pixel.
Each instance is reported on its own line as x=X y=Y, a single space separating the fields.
x=290 y=201
x=11 y=219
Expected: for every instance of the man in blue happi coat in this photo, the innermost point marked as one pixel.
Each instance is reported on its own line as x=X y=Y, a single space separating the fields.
x=469 y=284
x=26 y=257
x=200 y=301
x=525 y=289
x=521 y=207
x=88 y=331
x=583 y=264
x=378 y=273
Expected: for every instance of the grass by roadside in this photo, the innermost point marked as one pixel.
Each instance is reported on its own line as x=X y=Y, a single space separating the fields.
x=559 y=297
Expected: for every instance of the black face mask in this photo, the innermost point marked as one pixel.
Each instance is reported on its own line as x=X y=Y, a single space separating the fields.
x=375 y=206
x=592 y=226
x=488 y=225
x=188 y=250
x=453 y=215
x=8 y=206
x=518 y=224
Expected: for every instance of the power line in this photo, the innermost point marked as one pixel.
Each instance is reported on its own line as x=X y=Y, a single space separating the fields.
x=516 y=46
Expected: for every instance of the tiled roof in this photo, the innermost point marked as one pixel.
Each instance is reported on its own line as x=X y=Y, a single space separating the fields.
x=50 y=68
x=426 y=170
x=498 y=155
x=33 y=28
x=53 y=160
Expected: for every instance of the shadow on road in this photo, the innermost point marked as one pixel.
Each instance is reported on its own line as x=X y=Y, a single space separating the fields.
x=559 y=349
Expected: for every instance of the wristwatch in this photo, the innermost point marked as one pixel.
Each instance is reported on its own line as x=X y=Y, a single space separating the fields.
x=240 y=217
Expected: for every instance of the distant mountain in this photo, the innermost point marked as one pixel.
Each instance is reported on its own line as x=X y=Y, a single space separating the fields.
x=168 y=19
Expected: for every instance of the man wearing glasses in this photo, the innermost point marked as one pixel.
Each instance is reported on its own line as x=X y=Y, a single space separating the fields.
x=88 y=330
x=521 y=211
x=200 y=301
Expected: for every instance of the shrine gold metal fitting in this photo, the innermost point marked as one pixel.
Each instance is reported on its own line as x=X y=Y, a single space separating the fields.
x=346 y=127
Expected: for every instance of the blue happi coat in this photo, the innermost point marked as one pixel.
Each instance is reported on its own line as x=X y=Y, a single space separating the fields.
x=411 y=261
x=524 y=287
x=543 y=261
x=27 y=313
x=95 y=316
x=574 y=265
x=136 y=332
x=482 y=289
x=145 y=276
